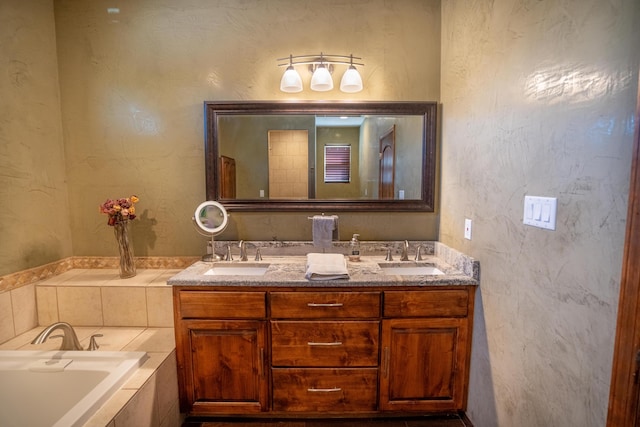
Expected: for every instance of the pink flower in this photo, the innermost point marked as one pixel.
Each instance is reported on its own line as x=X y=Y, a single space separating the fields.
x=119 y=210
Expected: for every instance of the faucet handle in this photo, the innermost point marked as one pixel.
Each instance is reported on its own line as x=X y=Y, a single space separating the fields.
x=419 y=253
x=229 y=255
x=258 y=255
x=93 y=344
x=389 y=257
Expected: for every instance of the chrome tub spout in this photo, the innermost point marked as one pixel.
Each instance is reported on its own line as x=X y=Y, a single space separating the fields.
x=69 y=337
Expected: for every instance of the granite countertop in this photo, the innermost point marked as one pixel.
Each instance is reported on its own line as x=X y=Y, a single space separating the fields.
x=289 y=270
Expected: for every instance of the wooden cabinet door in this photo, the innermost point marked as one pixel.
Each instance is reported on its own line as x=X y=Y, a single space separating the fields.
x=225 y=367
x=424 y=364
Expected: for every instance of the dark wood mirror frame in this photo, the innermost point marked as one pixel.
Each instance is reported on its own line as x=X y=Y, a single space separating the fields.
x=428 y=110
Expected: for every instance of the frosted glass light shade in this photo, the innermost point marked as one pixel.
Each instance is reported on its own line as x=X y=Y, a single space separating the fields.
x=351 y=81
x=321 y=79
x=291 y=81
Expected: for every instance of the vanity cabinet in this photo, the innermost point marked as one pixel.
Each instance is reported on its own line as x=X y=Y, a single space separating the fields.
x=221 y=339
x=340 y=351
x=425 y=350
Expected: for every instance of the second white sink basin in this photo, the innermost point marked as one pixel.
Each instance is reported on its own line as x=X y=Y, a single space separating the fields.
x=411 y=270
x=237 y=270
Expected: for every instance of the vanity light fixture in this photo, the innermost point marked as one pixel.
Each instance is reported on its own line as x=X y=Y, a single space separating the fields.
x=321 y=67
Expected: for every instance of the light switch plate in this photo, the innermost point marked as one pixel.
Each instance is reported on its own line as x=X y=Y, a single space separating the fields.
x=467 y=228
x=540 y=212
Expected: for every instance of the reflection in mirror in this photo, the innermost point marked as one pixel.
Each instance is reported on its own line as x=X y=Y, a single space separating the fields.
x=339 y=156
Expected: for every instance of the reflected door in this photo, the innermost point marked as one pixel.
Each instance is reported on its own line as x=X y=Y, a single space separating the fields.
x=387 y=164
x=288 y=164
x=227 y=178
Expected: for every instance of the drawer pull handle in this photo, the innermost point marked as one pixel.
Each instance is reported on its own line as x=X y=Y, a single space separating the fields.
x=325 y=344
x=329 y=304
x=324 y=390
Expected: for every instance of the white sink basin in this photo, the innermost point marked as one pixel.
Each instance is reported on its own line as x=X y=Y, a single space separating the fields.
x=237 y=270
x=411 y=270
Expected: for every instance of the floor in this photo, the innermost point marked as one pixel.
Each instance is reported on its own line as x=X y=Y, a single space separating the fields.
x=431 y=421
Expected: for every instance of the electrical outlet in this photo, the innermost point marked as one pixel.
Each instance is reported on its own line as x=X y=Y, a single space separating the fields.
x=467 y=228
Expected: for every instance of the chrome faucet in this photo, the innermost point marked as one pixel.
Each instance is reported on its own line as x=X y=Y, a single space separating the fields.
x=243 y=250
x=69 y=337
x=405 y=251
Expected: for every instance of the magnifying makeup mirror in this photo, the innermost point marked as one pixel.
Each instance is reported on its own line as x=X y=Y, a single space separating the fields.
x=210 y=219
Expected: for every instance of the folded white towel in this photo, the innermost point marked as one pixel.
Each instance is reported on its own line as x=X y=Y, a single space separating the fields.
x=323 y=230
x=326 y=267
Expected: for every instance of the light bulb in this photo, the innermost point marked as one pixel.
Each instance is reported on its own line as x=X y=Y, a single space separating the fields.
x=321 y=79
x=291 y=81
x=351 y=81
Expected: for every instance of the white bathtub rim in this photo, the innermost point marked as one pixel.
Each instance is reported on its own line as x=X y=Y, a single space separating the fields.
x=84 y=409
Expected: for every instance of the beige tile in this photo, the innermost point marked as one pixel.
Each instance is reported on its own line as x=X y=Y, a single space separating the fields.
x=22 y=341
x=80 y=306
x=154 y=340
x=63 y=277
x=47 y=305
x=160 y=306
x=124 y=306
x=105 y=416
x=91 y=277
x=112 y=339
x=167 y=385
x=143 y=373
x=142 y=278
x=165 y=275
x=25 y=314
x=172 y=417
x=7 y=330
x=142 y=409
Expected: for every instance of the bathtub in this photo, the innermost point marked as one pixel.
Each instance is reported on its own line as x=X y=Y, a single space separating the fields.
x=60 y=388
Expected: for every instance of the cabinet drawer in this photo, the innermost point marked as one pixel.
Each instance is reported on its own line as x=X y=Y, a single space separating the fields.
x=222 y=305
x=324 y=343
x=325 y=390
x=438 y=303
x=322 y=305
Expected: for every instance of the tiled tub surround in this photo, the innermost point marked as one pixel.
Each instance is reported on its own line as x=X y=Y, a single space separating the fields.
x=133 y=314
x=84 y=297
x=150 y=396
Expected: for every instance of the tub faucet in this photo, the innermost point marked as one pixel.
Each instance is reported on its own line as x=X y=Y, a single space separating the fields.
x=69 y=337
x=405 y=251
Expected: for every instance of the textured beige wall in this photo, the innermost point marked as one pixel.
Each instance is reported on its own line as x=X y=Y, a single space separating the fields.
x=34 y=213
x=538 y=99
x=132 y=87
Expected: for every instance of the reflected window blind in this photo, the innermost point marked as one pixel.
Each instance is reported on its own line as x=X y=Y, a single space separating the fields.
x=337 y=163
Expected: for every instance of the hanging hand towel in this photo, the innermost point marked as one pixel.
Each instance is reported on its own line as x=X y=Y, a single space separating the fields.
x=326 y=267
x=323 y=230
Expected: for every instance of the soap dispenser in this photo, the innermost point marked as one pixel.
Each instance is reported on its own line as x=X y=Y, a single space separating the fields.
x=354 y=248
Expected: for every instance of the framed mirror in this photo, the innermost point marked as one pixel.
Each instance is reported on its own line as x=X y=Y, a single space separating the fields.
x=321 y=156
